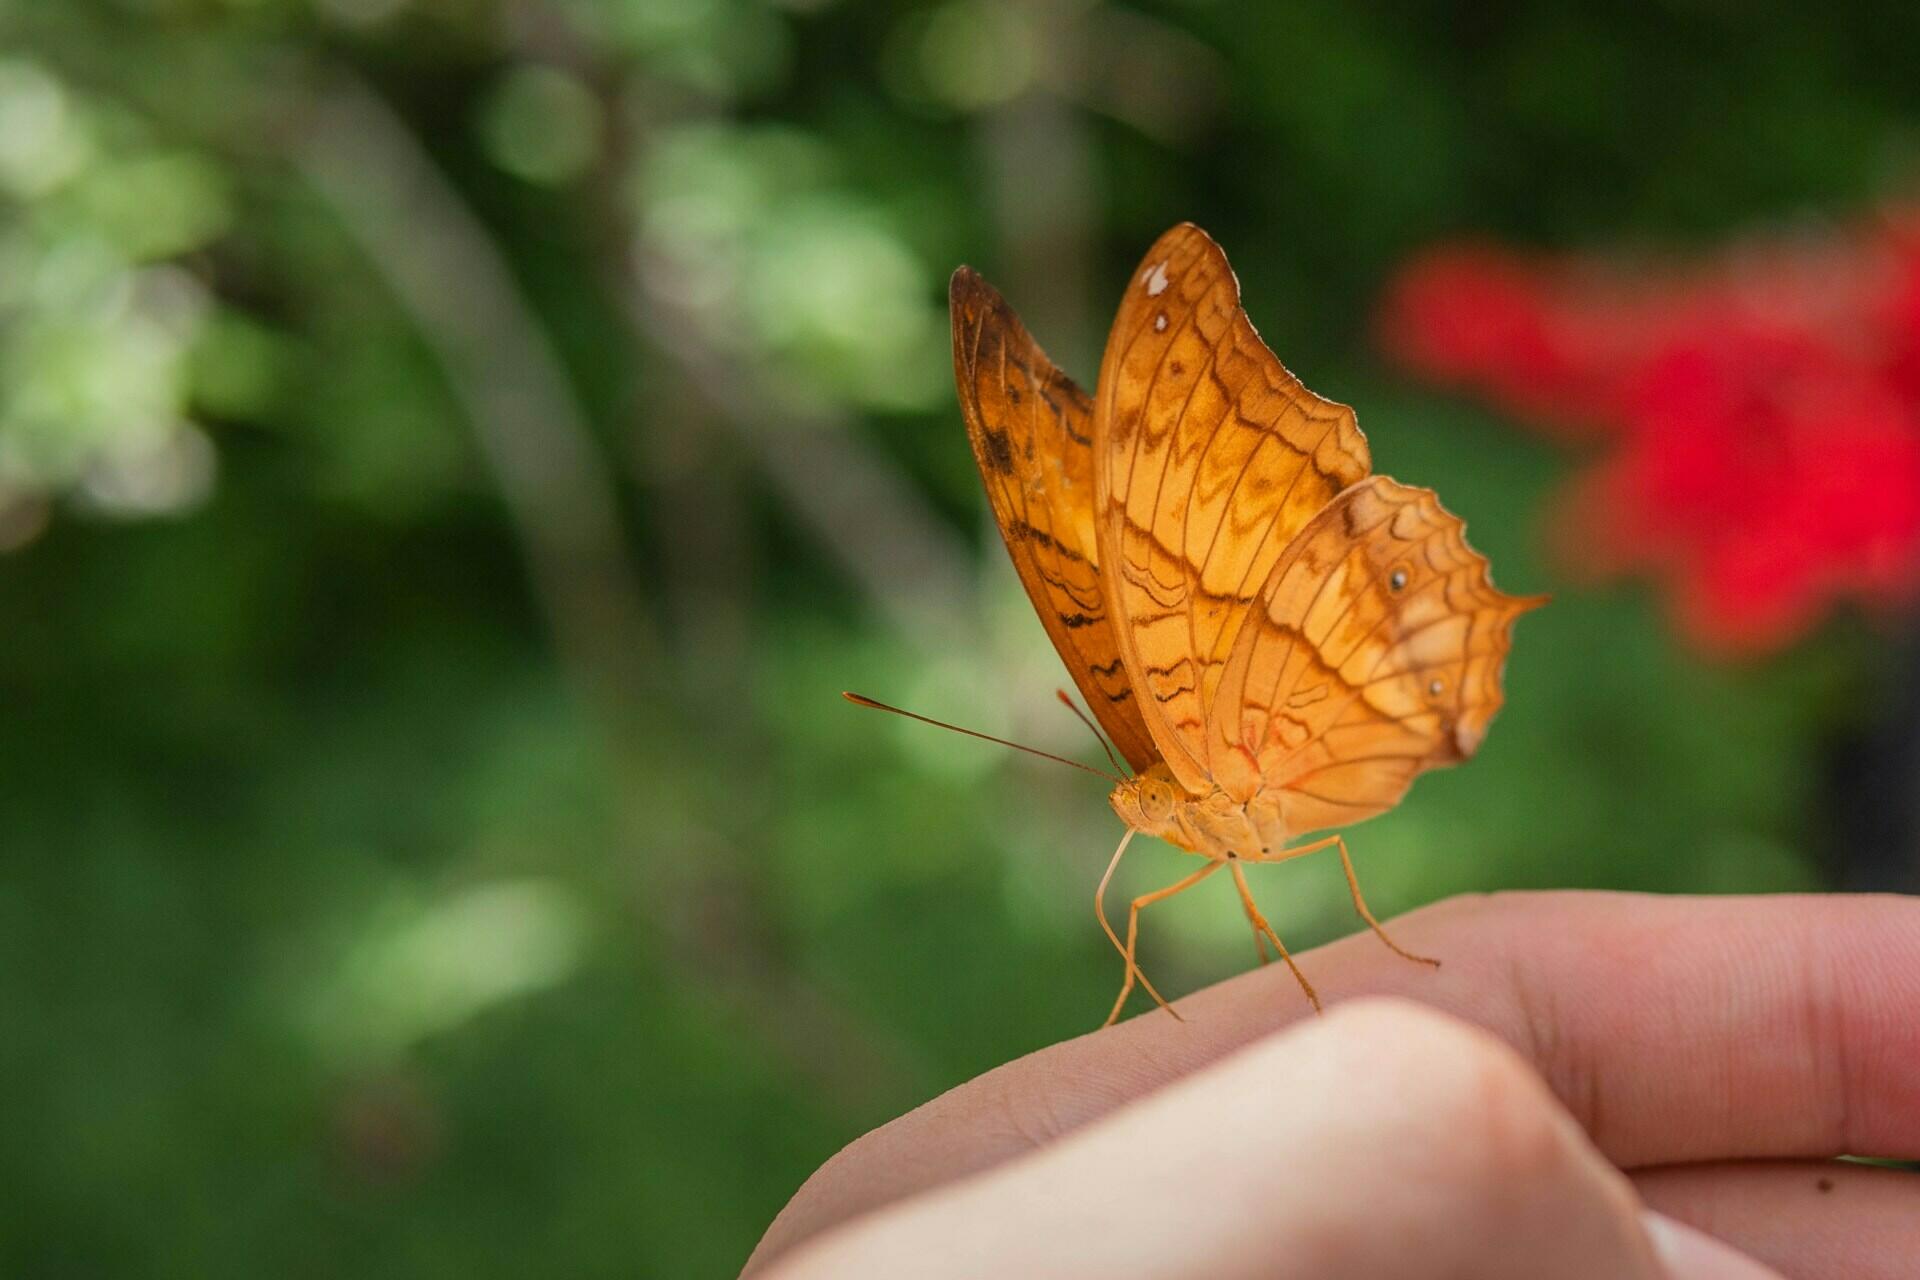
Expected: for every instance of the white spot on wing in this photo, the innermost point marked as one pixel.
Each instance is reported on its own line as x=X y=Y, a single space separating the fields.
x=1160 y=323
x=1157 y=280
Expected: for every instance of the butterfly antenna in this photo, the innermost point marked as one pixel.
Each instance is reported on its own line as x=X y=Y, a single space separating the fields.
x=861 y=700
x=1098 y=737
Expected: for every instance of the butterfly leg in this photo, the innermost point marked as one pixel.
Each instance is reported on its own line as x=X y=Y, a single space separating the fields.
x=1100 y=913
x=1259 y=938
x=1139 y=904
x=1353 y=886
x=1261 y=926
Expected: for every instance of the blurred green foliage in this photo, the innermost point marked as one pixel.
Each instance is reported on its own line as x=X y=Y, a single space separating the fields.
x=432 y=844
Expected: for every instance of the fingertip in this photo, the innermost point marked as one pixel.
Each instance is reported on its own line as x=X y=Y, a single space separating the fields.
x=1396 y=1015
x=1688 y=1254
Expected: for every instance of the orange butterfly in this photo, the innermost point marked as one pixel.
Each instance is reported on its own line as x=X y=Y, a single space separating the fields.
x=1276 y=641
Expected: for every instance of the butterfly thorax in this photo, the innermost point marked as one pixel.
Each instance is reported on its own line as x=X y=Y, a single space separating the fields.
x=1214 y=825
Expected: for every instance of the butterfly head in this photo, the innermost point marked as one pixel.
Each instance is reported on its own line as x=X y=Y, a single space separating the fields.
x=1147 y=802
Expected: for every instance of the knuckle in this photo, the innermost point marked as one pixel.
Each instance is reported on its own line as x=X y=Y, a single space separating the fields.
x=1485 y=1115
x=1497 y=1112
x=1467 y=1120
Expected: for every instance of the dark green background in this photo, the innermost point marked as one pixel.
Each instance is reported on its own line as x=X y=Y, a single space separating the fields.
x=438 y=847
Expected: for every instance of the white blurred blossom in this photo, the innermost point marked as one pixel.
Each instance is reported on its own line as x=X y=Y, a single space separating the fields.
x=98 y=319
x=748 y=230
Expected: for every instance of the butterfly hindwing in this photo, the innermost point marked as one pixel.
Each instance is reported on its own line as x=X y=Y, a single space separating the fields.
x=1032 y=434
x=1209 y=458
x=1375 y=654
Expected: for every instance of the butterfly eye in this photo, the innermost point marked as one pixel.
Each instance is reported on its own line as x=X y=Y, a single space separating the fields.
x=1398 y=580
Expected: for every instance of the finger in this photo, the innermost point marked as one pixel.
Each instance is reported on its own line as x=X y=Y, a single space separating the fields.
x=1675 y=1029
x=1684 y=1029
x=1813 y=1220
x=1382 y=1140
x=1690 y=1254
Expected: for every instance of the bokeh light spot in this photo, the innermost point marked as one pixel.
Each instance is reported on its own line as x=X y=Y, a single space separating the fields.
x=976 y=53
x=542 y=125
x=42 y=143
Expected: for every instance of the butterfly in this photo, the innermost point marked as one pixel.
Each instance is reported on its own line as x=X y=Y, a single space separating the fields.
x=1276 y=640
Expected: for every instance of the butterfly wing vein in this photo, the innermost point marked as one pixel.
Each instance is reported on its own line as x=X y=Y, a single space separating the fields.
x=1233 y=591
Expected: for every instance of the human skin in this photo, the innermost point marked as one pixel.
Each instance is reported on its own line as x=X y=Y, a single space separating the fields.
x=1584 y=1074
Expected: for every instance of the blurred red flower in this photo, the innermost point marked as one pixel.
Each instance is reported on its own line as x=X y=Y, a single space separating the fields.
x=1761 y=410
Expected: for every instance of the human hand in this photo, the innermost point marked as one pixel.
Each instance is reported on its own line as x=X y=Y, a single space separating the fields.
x=1720 y=1051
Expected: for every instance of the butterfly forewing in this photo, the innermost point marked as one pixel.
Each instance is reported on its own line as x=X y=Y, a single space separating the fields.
x=1032 y=434
x=1210 y=457
x=1375 y=653
x=1232 y=590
